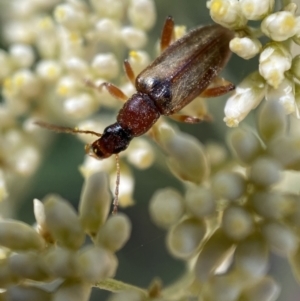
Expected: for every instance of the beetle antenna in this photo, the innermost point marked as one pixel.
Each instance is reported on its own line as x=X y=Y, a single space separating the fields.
x=63 y=129
x=116 y=199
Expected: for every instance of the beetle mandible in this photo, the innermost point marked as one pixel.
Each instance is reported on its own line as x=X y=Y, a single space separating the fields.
x=183 y=71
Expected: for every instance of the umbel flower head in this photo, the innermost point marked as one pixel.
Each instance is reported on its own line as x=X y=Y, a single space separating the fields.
x=225 y=216
x=275 y=78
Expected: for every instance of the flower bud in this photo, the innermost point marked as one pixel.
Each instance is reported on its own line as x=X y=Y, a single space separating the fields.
x=70 y=16
x=140 y=153
x=141 y=13
x=265 y=172
x=280 y=238
x=114 y=234
x=187 y=158
x=272 y=204
x=49 y=70
x=228 y=185
x=22 y=55
x=272 y=121
x=245 y=145
x=72 y=290
x=225 y=286
x=95 y=264
x=237 y=223
x=28 y=265
x=214 y=252
x=133 y=38
x=166 y=207
x=200 y=201
x=19 y=236
x=63 y=222
x=286 y=150
x=60 y=262
x=184 y=238
x=107 y=30
x=252 y=256
x=264 y=289
x=106 y=65
x=95 y=202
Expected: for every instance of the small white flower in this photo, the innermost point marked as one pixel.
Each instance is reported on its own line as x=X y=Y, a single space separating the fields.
x=23 y=82
x=69 y=16
x=133 y=38
x=280 y=26
x=138 y=60
x=79 y=106
x=67 y=86
x=227 y=13
x=106 y=65
x=246 y=47
x=247 y=96
x=256 y=9
x=107 y=30
x=77 y=67
x=22 y=55
x=142 y=14
x=49 y=70
x=274 y=60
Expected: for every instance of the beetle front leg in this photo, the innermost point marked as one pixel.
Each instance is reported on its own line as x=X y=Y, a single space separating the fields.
x=190 y=119
x=112 y=89
x=218 y=87
x=167 y=34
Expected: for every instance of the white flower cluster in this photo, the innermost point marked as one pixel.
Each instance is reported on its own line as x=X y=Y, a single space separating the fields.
x=276 y=77
x=52 y=48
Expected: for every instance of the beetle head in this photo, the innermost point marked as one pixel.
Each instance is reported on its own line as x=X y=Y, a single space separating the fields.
x=113 y=140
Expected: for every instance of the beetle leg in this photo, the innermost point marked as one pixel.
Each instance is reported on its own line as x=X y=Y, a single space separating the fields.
x=129 y=72
x=218 y=87
x=167 y=34
x=190 y=119
x=112 y=89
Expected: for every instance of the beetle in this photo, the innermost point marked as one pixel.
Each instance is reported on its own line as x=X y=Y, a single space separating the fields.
x=184 y=70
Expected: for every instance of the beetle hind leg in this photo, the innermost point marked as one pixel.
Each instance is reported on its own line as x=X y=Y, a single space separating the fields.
x=218 y=87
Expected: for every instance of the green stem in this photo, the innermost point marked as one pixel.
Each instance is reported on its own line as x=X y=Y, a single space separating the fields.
x=116 y=286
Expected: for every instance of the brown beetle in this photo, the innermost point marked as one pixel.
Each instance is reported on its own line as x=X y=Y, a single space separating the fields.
x=183 y=71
